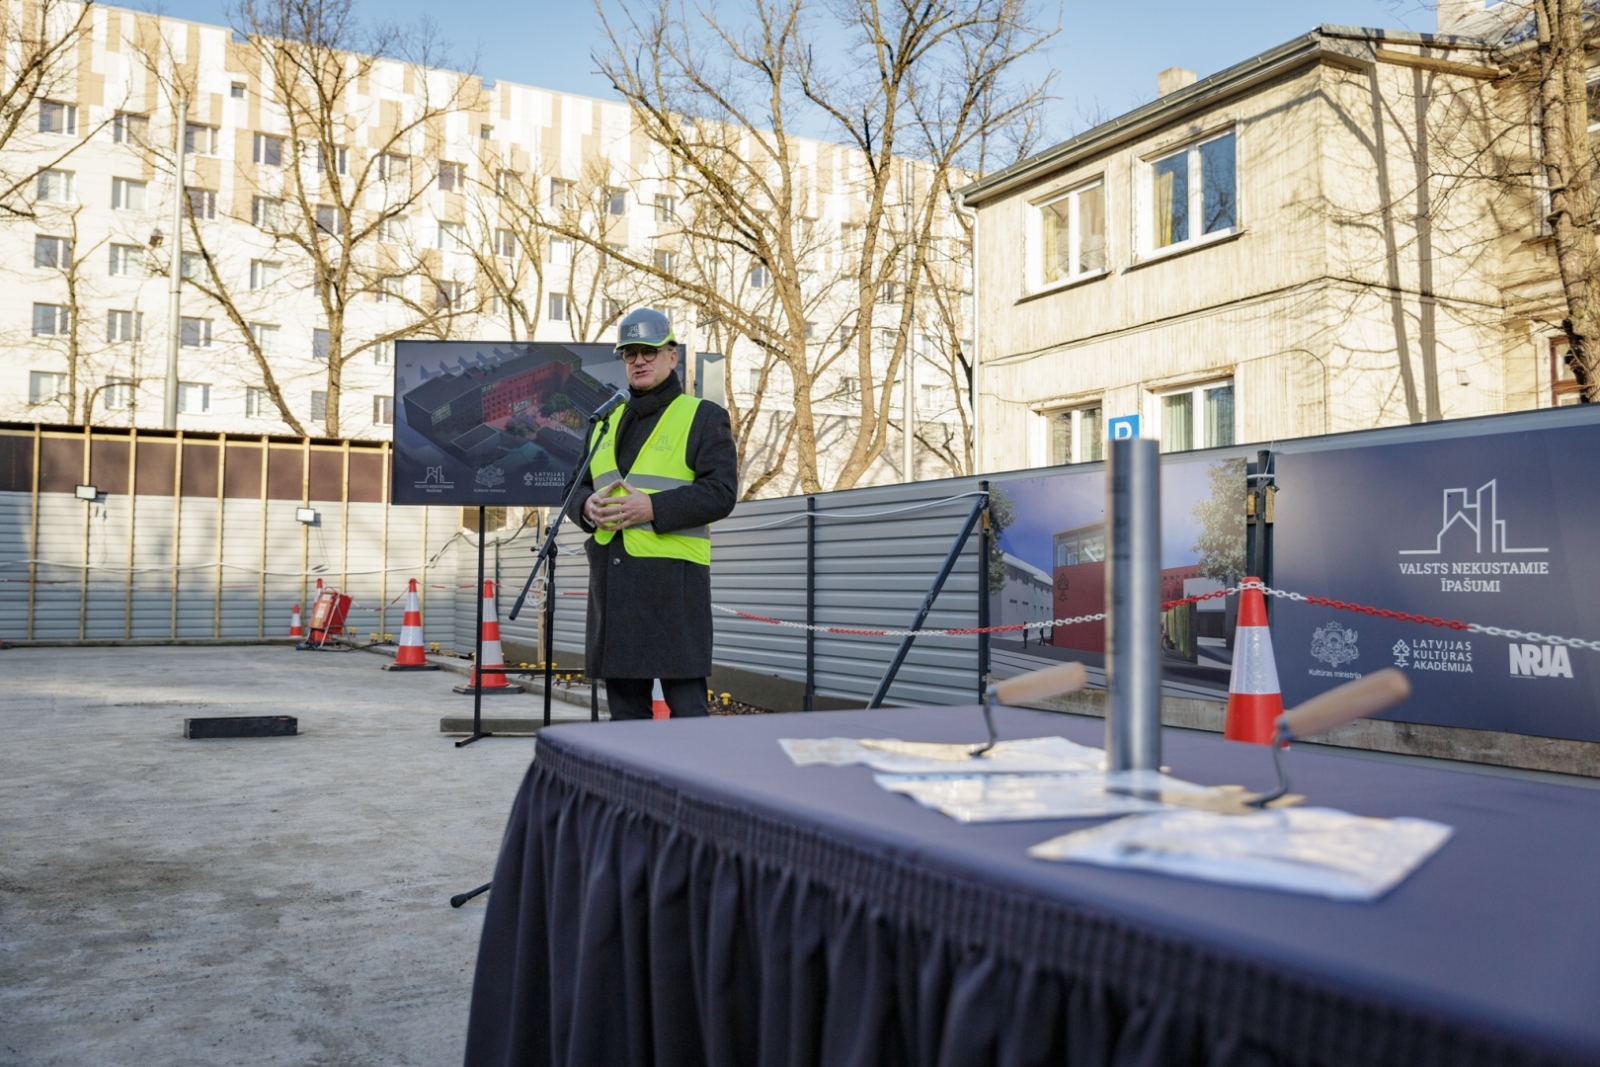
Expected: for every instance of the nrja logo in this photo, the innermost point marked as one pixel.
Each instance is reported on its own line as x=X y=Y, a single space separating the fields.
x=1540 y=661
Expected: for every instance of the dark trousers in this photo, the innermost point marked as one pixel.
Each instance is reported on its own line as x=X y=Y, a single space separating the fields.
x=630 y=697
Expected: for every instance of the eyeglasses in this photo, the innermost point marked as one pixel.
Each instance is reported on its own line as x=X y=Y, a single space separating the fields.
x=634 y=355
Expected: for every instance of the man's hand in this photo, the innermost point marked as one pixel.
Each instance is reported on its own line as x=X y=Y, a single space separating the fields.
x=621 y=512
x=592 y=510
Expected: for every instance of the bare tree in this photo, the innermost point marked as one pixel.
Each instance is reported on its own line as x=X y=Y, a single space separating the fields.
x=508 y=246
x=723 y=104
x=1561 y=98
x=39 y=61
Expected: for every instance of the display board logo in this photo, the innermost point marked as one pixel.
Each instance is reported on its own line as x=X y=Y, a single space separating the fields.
x=1474 y=513
x=434 y=480
x=490 y=476
x=1540 y=661
x=1401 y=652
x=1334 y=645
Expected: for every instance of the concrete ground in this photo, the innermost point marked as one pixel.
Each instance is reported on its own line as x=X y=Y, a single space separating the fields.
x=266 y=901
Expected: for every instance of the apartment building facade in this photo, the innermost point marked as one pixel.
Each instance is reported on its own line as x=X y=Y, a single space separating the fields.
x=1304 y=243
x=445 y=210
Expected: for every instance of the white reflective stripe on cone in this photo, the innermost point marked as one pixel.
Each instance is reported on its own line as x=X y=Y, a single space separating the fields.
x=1253 y=668
x=492 y=654
x=411 y=635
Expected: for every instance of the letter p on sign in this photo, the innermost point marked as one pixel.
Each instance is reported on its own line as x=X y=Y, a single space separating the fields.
x=1122 y=427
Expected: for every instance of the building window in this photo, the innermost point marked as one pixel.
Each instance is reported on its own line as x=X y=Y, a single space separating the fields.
x=392 y=167
x=383 y=353
x=130 y=129
x=202 y=203
x=1200 y=416
x=341 y=159
x=266 y=337
x=849 y=389
x=610 y=309
x=753 y=380
x=118 y=394
x=452 y=237
x=1076 y=436
x=1193 y=193
x=257 y=403
x=45 y=386
x=391 y=290
x=194 y=398
x=124 y=325
x=268 y=150
x=889 y=293
x=383 y=410
x=930 y=397
x=666 y=207
x=265 y=273
x=616 y=201
x=560 y=252
x=192 y=265
x=127 y=261
x=266 y=213
x=55 y=186
x=760 y=277
x=450 y=177
x=236 y=90
x=560 y=194
x=50 y=320
x=127 y=194
x=194 y=333
x=200 y=140
x=54 y=252
x=506 y=183
x=558 y=307
x=447 y=294
x=319 y=406
x=56 y=117
x=505 y=244
x=320 y=340
x=485 y=132
x=1072 y=236
x=392 y=229
x=330 y=220
x=663 y=261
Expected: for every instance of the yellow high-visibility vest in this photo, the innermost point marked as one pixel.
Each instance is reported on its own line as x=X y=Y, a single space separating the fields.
x=662 y=464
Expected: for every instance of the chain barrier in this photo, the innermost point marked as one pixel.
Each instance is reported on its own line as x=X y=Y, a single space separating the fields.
x=1266 y=590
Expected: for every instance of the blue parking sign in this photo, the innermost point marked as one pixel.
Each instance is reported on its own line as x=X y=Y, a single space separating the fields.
x=1122 y=427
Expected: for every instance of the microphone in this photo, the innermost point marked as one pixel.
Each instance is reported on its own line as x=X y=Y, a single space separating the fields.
x=618 y=398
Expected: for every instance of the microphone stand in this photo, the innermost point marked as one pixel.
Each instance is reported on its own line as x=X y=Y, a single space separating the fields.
x=547 y=556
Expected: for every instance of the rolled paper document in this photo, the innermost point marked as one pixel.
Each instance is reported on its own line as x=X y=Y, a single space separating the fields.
x=1040 y=685
x=1364 y=696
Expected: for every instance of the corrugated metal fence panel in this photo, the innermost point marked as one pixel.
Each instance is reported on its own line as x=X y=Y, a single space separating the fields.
x=15 y=525
x=759 y=565
x=877 y=555
x=572 y=589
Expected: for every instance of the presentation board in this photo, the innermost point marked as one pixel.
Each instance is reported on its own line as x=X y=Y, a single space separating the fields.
x=496 y=424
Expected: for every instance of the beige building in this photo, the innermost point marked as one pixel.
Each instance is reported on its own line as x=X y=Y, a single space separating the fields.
x=1309 y=242
x=431 y=216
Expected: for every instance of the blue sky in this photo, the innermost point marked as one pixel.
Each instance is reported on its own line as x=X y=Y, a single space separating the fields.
x=1060 y=501
x=1106 y=57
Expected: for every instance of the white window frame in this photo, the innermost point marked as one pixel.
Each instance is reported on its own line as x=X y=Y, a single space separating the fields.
x=130 y=127
x=199 y=139
x=1082 y=436
x=266 y=335
x=392 y=229
x=126 y=190
x=383 y=411
x=560 y=307
x=560 y=251
x=1035 y=236
x=203 y=199
x=63 y=182
x=69 y=118
x=264 y=145
x=45 y=386
x=188 y=392
x=452 y=236
x=1197 y=391
x=391 y=289
x=266 y=213
x=201 y=334
x=123 y=326
x=125 y=261
x=265 y=273
x=258 y=403
x=1146 y=197
x=118 y=395
x=319 y=396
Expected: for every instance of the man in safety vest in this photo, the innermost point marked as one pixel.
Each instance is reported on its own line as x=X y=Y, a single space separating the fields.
x=666 y=469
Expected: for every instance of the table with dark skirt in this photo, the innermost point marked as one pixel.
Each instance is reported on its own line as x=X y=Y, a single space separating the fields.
x=679 y=893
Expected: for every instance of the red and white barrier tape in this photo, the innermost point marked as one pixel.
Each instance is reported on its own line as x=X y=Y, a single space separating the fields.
x=1337 y=605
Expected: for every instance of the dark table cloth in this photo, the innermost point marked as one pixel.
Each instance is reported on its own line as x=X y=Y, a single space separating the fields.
x=678 y=893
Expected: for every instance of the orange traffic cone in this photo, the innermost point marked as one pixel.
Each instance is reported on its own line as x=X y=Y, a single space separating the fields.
x=1254 y=698
x=295 y=629
x=492 y=656
x=658 y=702
x=409 y=656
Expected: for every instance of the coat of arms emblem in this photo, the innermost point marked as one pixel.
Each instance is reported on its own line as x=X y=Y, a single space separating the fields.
x=1333 y=644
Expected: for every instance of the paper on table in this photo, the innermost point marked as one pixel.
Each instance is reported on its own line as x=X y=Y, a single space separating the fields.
x=1015 y=797
x=1034 y=755
x=1302 y=850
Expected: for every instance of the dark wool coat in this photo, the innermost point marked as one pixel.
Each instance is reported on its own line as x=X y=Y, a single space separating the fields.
x=651 y=618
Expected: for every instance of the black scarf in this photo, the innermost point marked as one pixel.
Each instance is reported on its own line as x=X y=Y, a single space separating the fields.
x=642 y=407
